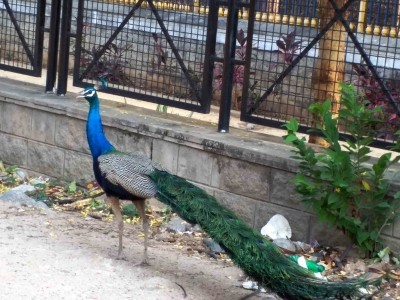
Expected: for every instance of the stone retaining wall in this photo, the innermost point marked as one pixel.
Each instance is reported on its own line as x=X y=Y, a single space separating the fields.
x=248 y=172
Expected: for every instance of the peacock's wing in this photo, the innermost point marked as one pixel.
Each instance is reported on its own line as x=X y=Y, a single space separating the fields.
x=129 y=171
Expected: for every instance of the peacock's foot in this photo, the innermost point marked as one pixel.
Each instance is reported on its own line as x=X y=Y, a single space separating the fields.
x=121 y=256
x=143 y=263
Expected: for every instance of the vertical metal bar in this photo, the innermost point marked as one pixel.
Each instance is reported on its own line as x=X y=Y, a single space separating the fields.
x=395 y=13
x=247 y=63
x=314 y=8
x=378 y=15
x=370 y=12
x=351 y=13
x=212 y=26
x=78 y=41
x=307 y=9
x=53 y=45
x=39 y=35
x=299 y=8
x=63 y=58
x=387 y=13
x=292 y=8
x=229 y=57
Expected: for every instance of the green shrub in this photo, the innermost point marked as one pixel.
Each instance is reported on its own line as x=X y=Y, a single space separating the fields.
x=344 y=187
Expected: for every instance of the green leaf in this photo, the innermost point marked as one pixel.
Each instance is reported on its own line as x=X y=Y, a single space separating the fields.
x=292 y=125
x=72 y=187
x=384 y=252
x=130 y=211
x=395 y=260
x=382 y=164
x=290 y=138
x=333 y=198
x=383 y=204
x=362 y=236
x=364 y=151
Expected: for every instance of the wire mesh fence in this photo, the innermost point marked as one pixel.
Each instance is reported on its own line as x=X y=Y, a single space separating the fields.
x=146 y=52
x=21 y=35
x=283 y=86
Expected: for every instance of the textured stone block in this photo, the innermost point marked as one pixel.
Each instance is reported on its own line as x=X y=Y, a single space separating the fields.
x=166 y=154
x=393 y=243
x=78 y=167
x=326 y=234
x=43 y=126
x=240 y=177
x=70 y=133
x=195 y=165
x=244 y=207
x=396 y=229
x=45 y=159
x=388 y=230
x=128 y=141
x=1 y=113
x=13 y=150
x=299 y=221
x=16 y=120
x=283 y=191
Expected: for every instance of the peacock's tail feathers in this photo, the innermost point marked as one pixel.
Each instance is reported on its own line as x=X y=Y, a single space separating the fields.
x=256 y=256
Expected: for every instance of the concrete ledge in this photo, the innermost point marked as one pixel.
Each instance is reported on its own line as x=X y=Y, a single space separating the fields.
x=248 y=172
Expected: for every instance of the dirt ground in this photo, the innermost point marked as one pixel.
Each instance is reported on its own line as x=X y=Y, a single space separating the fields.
x=46 y=254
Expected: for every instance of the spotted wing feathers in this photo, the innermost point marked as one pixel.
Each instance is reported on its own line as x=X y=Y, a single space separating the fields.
x=129 y=171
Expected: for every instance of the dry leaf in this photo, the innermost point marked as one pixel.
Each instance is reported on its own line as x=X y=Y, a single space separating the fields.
x=394 y=275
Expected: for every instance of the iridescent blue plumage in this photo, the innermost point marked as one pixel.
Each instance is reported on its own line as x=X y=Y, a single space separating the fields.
x=97 y=140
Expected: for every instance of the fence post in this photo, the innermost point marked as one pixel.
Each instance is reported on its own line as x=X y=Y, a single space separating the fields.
x=209 y=55
x=64 y=47
x=229 y=58
x=329 y=71
x=53 y=45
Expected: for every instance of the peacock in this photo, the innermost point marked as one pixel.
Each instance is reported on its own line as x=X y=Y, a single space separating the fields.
x=132 y=176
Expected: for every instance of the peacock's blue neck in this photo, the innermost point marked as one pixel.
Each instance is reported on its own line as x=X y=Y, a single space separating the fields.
x=97 y=140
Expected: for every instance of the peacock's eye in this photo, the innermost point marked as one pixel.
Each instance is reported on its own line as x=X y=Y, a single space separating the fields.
x=90 y=93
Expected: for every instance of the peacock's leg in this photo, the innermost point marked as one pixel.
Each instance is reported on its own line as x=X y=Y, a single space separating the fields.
x=141 y=207
x=118 y=216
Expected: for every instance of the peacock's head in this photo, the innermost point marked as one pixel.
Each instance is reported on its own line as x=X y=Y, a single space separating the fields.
x=89 y=93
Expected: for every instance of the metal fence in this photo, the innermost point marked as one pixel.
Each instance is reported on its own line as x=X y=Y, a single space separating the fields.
x=21 y=36
x=145 y=52
x=295 y=65
x=268 y=59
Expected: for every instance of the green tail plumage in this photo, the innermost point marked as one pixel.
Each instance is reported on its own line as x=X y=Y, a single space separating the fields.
x=257 y=257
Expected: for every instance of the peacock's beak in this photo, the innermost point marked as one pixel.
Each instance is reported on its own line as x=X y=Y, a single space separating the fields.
x=81 y=94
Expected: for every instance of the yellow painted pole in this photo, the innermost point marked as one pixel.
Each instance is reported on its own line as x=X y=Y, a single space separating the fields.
x=362 y=15
x=196 y=6
x=330 y=68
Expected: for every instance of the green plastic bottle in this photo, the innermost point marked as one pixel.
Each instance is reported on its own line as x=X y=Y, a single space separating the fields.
x=308 y=264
